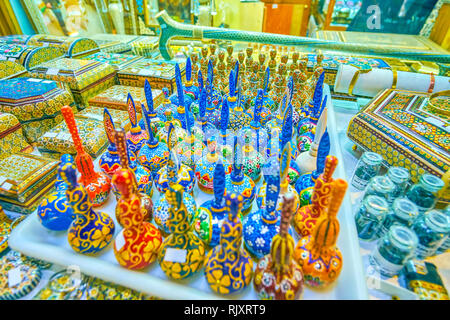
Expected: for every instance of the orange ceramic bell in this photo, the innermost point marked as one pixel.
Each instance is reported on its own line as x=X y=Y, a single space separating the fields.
x=97 y=184
x=307 y=216
x=317 y=254
x=278 y=276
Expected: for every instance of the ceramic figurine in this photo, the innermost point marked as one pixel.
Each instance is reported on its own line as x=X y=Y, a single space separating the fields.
x=248 y=61
x=305 y=184
x=228 y=267
x=261 y=69
x=136 y=137
x=137 y=245
x=285 y=187
x=262 y=225
x=278 y=276
x=204 y=168
x=183 y=175
x=258 y=136
x=153 y=154
x=182 y=253
x=211 y=214
x=306 y=161
x=97 y=184
x=231 y=61
x=142 y=177
x=109 y=162
x=268 y=105
x=54 y=212
x=204 y=60
x=195 y=68
x=252 y=160
x=182 y=113
x=307 y=216
x=221 y=69
x=213 y=98
x=252 y=86
x=91 y=231
x=240 y=183
x=279 y=84
x=317 y=254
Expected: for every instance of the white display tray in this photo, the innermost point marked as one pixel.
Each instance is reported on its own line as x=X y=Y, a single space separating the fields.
x=32 y=239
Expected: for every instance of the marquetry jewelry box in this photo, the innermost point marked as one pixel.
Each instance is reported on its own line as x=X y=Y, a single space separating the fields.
x=11 y=136
x=116 y=96
x=115 y=43
x=159 y=73
x=24 y=179
x=85 y=78
x=73 y=47
x=121 y=119
x=28 y=56
x=58 y=140
x=35 y=102
x=11 y=69
x=405 y=130
x=16 y=38
x=117 y=60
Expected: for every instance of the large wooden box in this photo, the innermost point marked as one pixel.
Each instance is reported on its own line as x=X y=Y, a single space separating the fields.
x=28 y=56
x=117 y=60
x=73 y=47
x=11 y=136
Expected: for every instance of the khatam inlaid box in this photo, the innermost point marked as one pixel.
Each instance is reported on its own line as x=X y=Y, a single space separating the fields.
x=35 y=102
x=401 y=127
x=120 y=118
x=58 y=140
x=10 y=69
x=116 y=60
x=24 y=178
x=116 y=97
x=85 y=78
x=11 y=136
x=73 y=47
x=28 y=56
x=159 y=73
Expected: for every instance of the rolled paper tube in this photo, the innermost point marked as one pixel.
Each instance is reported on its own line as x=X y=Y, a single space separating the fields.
x=371 y=83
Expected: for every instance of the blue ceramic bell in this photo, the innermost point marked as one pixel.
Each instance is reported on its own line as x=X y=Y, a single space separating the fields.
x=262 y=225
x=311 y=112
x=211 y=214
x=306 y=182
x=162 y=206
x=189 y=91
x=166 y=109
x=238 y=117
x=143 y=175
x=153 y=154
x=182 y=112
x=136 y=137
x=157 y=122
x=213 y=98
x=54 y=212
x=195 y=108
x=184 y=175
x=228 y=267
x=203 y=126
x=252 y=160
x=238 y=182
x=91 y=231
x=258 y=136
x=225 y=147
x=109 y=161
x=267 y=104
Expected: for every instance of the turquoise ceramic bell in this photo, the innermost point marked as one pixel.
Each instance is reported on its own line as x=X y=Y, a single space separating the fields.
x=211 y=214
x=153 y=154
x=238 y=182
x=262 y=225
x=184 y=175
x=109 y=161
x=228 y=267
x=54 y=212
x=136 y=137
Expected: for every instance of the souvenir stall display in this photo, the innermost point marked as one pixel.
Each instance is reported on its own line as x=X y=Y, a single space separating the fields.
x=227 y=170
x=27 y=55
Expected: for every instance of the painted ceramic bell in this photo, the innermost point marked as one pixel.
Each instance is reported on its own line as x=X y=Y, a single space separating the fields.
x=182 y=253
x=183 y=175
x=157 y=122
x=137 y=245
x=267 y=104
x=205 y=166
x=194 y=108
x=211 y=214
x=307 y=216
x=278 y=276
x=225 y=147
x=203 y=126
x=252 y=160
x=228 y=267
x=285 y=187
x=97 y=184
x=182 y=112
x=257 y=135
x=306 y=182
x=178 y=136
x=91 y=231
x=317 y=254
x=262 y=225
x=136 y=137
x=166 y=109
x=239 y=183
x=238 y=117
x=213 y=98
x=54 y=212
x=189 y=91
x=109 y=161
x=153 y=154
x=141 y=177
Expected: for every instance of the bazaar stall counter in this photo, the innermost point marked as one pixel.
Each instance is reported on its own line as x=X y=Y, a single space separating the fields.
x=32 y=239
